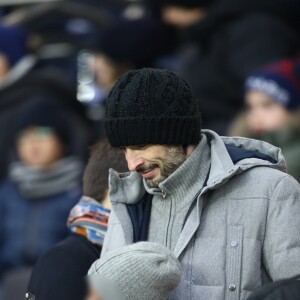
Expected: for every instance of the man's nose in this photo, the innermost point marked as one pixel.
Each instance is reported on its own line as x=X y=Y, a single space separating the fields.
x=134 y=161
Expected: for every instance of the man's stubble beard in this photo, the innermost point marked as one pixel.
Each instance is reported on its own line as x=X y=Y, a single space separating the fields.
x=168 y=164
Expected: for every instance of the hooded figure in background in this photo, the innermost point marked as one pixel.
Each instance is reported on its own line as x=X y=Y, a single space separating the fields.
x=42 y=186
x=222 y=42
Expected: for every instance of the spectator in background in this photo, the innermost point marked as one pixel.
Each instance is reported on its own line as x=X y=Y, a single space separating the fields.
x=142 y=271
x=272 y=99
x=20 y=82
x=72 y=258
x=15 y=64
x=42 y=186
x=125 y=46
x=222 y=42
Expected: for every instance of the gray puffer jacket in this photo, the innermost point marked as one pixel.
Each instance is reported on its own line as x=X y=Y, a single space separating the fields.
x=243 y=231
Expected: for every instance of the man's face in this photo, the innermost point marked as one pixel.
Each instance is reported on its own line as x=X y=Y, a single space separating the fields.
x=155 y=162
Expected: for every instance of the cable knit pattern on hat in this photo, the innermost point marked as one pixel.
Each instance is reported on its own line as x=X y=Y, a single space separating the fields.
x=141 y=271
x=150 y=106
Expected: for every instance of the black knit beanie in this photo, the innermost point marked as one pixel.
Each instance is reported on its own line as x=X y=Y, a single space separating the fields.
x=150 y=106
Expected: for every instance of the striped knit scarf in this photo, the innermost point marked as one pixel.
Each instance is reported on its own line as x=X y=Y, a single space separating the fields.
x=89 y=219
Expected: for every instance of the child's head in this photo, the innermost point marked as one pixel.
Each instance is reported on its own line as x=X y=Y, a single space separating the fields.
x=142 y=271
x=42 y=133
x=272 y=95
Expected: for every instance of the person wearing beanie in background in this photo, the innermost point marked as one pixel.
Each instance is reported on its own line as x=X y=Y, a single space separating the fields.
x=142 y=271
x=43 y=185
x=87 y=222
x=23 y=76
x=224 y=206
x=272 y=99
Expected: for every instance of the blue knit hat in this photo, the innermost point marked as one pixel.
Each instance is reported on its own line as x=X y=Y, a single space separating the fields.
x=13 y=43
x=280 y=81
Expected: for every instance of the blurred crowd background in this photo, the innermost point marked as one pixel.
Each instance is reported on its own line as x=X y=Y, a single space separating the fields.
x=59 y=60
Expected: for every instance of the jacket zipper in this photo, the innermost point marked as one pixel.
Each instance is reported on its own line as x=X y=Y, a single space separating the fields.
x=164 y=195
x=195 y=200
x=169 y=221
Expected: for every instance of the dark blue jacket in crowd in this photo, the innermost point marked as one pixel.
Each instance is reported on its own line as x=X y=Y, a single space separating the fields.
x=28 y=228
x=67 y=262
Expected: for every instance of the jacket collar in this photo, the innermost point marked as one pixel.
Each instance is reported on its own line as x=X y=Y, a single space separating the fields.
x=188 y=179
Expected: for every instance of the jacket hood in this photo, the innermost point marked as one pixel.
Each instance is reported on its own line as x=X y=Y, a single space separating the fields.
x=229 y=156
x=234 y=155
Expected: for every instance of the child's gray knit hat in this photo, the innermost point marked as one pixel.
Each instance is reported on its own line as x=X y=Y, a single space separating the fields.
x=141 y=271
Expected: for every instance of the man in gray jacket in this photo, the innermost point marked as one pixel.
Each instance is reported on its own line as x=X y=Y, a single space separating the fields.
x=224 y=206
